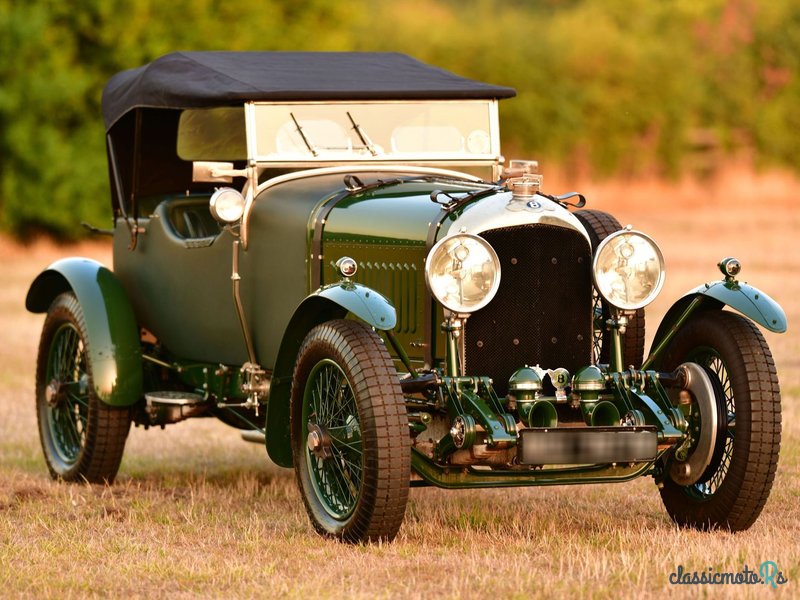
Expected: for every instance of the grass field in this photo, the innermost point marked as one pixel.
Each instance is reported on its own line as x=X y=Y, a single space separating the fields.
x=198 y=512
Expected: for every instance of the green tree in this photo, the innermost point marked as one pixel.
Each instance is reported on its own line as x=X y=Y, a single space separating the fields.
x=610 y=86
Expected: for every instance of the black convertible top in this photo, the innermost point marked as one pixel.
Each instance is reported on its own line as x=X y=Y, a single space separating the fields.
x=206 y=79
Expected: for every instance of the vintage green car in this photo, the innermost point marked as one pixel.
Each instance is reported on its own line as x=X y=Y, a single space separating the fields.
x=327 y=251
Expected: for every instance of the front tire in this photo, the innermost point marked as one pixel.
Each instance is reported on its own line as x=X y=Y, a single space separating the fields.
x=82 y=438
x=732 y=491
x=350 y=440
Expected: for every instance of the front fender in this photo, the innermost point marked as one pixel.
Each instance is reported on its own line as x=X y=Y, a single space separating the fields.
x=748 y=300
x=327 y=303
x=113 y=334
x=367 y=304
x=744 y=298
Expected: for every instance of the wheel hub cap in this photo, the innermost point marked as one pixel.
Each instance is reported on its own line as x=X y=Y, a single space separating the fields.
x=702 y=391
x=318 y=441
x=54 y=393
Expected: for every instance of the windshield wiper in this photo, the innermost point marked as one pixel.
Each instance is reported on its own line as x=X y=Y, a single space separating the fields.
x=303 y=135
x=363 y=136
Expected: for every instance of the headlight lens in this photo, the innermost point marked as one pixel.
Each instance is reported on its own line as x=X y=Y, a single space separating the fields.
x=463 y=272
x=227 y=205
x=628 y=269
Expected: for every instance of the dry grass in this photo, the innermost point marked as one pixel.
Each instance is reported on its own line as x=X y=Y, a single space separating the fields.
x=197 y=512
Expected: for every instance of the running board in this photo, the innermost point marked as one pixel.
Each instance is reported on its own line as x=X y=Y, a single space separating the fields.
x=587 y=446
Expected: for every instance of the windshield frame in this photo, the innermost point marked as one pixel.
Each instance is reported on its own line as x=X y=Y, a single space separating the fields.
x=462 y=158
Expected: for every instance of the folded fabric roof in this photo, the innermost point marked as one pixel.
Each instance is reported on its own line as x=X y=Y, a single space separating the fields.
x=205 y=79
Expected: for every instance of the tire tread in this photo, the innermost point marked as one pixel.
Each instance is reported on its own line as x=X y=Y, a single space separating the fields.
x=744 y=491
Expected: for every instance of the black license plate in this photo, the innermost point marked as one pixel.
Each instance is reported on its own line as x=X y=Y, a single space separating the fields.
x=587 y=445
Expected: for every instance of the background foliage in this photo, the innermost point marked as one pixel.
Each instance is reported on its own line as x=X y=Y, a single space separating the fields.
x=606 y=87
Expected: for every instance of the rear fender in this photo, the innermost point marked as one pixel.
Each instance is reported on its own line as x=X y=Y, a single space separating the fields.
x=113 y=334
x=330 y=302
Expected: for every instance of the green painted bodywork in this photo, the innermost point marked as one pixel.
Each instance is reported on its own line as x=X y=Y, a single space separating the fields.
x=744 y=298
x=180 y=285
x=113 y=335
x=385 y=229
x=394 y=214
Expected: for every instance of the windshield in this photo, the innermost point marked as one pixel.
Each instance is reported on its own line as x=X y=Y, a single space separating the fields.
x=382 y=131
x=451 y=132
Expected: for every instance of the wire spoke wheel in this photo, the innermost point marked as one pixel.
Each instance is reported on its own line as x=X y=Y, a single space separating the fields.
x=350 y=440
x=732 y=490
x=337 y=466
x=82 y=438
x=67 y=410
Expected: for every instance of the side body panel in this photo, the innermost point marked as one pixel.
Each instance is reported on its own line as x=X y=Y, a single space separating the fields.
x=181 y=284
x=276 y=265
x=180 y=288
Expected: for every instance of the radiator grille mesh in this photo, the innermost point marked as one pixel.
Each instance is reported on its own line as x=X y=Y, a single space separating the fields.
x=542 y=313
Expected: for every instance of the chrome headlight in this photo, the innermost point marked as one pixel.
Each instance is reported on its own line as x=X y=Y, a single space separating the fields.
x=463 y=272
x=226 y=205
x=628 y=269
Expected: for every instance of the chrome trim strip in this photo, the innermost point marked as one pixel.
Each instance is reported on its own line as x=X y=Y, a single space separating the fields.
x=250 y=130
x=494 y=132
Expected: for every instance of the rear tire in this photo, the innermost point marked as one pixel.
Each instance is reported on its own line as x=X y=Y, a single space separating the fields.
x=733 y=489
x=82 y=438
x=350 y=439
x=599 y=225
